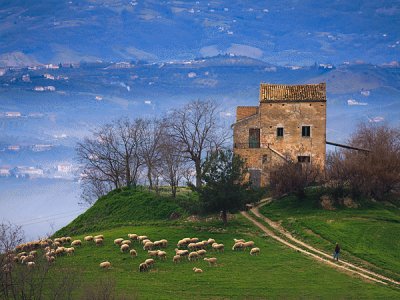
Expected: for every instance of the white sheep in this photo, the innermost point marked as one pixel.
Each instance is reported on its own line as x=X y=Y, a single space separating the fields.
x=148 y=246
x=126 y=242
x=153 y=253
x=50 y=259
x=181 y=243
x=176 y=258
x=162 y=254
x=143 y=267
x=255 y=251
x=248 y=244
x=218 y=247
x=212 y=260
x=194 y=240
x=141 y=237
x=70 y=251
x=201 y=252
x=238 y=246
x=164 y=243
x=88 y=238
x=149 y=262
x=145 y=241
x=133 y=236
x=210 y=241
x=187 y=240
x=133 y=253
x=27 y=259
x=76 y=243
x=118 y=241
x=191 y=246
x=240 y=240
x=60 y=250
x=105 y=265
x=31 y=264
x=193 y=256
x=98 y=241
x=182 y=252
x=100 y=236
x=197 y=270
x=124 y=248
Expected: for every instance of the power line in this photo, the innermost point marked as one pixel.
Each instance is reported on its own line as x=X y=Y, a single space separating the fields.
x=47 y=218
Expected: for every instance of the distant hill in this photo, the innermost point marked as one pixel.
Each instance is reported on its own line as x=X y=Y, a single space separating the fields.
x=280 y=32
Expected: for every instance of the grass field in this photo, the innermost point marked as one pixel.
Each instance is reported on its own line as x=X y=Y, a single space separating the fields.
x=277 y=273
x=369 y=233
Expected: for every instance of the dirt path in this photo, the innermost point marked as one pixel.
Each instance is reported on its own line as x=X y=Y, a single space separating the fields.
x=306 y=249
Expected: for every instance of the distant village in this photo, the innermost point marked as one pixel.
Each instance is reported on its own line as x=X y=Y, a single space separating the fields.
x=62 y=170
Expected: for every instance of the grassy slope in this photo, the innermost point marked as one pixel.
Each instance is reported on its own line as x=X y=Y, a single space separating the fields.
x=277 y=273
x=370 y=233
x=123 y=207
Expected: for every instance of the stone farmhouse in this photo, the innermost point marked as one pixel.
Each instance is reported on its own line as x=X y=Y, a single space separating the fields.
x=288 y=124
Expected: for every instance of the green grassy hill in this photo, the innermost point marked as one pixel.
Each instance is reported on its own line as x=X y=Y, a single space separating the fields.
x=277 y=273
x=124 y=207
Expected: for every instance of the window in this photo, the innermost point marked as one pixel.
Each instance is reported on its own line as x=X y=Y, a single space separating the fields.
x=279 y=132
x=305 y=131
x=303 y=159
x=254 y=138
x=264 y=158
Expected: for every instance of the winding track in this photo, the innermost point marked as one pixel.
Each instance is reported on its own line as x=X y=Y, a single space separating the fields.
x=315 y=253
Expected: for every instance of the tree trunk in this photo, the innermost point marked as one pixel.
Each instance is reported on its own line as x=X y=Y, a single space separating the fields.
x=127 y=172
x=224 y=216
x=173 y=190
x=150 y=179
x=198 y=173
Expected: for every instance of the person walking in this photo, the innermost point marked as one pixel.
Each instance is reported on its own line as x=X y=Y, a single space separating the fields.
x=336 y=253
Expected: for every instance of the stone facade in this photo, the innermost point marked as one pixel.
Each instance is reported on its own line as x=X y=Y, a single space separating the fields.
x=289 y=123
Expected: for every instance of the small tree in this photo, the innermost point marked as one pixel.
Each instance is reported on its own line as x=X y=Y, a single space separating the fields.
x=225 y=189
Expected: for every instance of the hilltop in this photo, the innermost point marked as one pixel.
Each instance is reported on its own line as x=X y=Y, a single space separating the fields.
x=126 y=206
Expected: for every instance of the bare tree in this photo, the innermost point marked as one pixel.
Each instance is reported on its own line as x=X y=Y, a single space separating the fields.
x=196 y=129
x=93 y=187
x=173 y=164
x=99 y=159
x=153 y=132
x=375 y=173
x=130 y=138
x=111 y=158
x=10 y=236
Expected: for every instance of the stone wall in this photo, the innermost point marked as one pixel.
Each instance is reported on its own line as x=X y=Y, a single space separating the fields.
x=245 y=111
x=291 y=116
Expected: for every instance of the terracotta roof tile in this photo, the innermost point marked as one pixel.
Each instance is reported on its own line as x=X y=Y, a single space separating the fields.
x=284 y=92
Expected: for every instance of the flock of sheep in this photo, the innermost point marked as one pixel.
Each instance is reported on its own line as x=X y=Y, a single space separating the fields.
x=191 y=249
